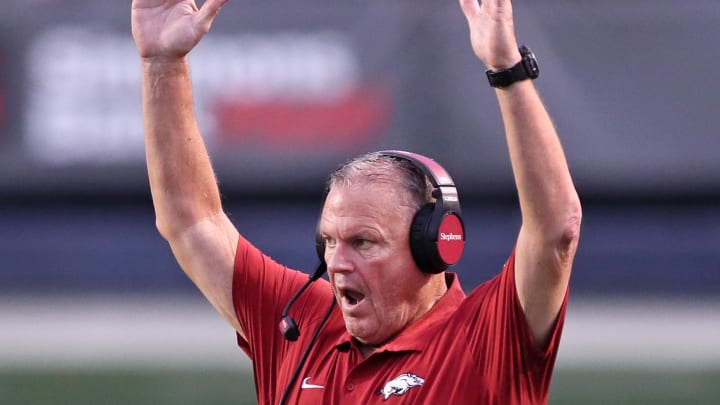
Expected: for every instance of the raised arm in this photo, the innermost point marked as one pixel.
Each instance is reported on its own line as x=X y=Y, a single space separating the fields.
x=549 y=204
x=187 y=202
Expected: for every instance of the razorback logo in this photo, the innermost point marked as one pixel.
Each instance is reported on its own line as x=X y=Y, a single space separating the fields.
x=401 y=384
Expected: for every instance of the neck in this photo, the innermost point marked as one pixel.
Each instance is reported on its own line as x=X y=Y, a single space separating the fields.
x=436 y=289
x=366 y=350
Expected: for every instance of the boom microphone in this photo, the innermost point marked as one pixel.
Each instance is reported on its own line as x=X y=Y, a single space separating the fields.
x=288 y=326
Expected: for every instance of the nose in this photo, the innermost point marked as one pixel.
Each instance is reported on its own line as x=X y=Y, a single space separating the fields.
x=338 y=258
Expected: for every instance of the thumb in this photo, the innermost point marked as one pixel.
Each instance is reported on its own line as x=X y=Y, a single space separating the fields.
x=208 y=11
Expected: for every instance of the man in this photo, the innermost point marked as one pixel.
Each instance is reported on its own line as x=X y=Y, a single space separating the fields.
x=382 y=329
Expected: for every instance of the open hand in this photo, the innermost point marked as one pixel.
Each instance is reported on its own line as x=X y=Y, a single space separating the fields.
x=171 y=28
x=492 y=32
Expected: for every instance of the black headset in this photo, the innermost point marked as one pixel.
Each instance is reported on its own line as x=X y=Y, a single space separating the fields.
x=437 y=232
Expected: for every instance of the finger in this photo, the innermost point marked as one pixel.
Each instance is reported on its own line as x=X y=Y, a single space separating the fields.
x=209 y=10
x=495 y=4
x=499 y=8
x=470 y=7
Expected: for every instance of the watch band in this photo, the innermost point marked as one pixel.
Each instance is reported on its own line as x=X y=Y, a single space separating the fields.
x=527 y=68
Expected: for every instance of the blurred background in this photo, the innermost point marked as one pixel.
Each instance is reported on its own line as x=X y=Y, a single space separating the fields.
x=94 y=309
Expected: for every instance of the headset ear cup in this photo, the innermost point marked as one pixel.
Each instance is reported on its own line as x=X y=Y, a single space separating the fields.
x=421 y=245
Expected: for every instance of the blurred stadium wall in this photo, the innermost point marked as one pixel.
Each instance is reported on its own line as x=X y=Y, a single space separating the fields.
x=284 y=93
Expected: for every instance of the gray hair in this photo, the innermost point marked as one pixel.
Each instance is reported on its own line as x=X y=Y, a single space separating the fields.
x=376 y=167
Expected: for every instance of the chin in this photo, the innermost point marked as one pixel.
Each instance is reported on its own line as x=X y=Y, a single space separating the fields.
x=360 y=332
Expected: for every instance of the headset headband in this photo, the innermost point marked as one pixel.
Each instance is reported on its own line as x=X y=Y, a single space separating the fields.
x=445 y=191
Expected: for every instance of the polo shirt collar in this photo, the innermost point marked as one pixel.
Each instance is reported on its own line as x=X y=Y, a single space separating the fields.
x=415 y=336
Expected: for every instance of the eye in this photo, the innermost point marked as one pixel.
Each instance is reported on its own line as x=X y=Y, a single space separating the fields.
x=361 y=243
x=329 y=242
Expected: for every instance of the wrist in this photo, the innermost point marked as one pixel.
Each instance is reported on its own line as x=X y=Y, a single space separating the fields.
x=505 y=62
x=524 y=69
x=161 y=65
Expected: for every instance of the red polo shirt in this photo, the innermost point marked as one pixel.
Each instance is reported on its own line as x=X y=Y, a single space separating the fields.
x=466 y=350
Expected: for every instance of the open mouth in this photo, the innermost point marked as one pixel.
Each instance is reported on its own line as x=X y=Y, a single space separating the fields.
x=351 y=297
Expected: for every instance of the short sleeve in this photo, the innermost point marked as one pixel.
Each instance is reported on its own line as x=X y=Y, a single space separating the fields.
x=502 y=343
x=261 y=290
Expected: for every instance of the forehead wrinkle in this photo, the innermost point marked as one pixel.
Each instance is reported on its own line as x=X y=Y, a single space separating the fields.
x=345 y=218
x=363 y=213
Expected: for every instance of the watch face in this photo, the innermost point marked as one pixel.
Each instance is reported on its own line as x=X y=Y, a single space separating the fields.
x=530 y=62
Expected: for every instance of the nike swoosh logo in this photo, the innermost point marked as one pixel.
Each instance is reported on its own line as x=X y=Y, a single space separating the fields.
x=305 y=384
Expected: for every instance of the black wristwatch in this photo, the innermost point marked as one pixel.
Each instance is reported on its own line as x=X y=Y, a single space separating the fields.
x=527 y=68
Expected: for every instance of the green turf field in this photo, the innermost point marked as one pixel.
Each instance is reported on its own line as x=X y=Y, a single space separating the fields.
x=236 y=387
